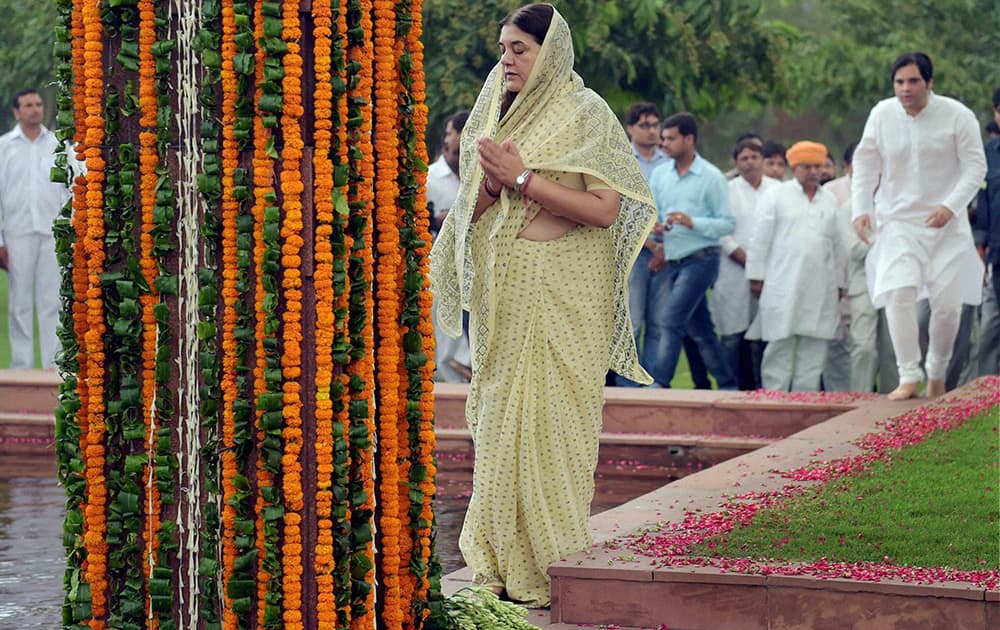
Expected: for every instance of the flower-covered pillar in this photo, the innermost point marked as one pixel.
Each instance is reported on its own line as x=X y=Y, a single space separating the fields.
x=246 y=422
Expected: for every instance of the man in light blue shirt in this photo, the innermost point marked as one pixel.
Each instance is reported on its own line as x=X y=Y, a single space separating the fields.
x=642 y=124
x=693 y=199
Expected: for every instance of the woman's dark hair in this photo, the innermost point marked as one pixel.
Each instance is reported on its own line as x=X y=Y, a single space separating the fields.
x=533 y=19
x=918 y=59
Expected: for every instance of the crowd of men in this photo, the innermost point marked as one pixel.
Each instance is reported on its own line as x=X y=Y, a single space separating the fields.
x=780 y=274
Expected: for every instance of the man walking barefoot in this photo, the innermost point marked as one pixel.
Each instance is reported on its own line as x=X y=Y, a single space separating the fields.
x=923 y=154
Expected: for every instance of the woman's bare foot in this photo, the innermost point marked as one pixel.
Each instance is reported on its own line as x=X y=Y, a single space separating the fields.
x=905 y=391
x=935 y=387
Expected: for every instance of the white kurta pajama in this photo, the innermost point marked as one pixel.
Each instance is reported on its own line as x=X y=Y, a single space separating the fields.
x=442 y=187
x=864 y=346
x=730 y=301
x=29 y=204
x=918 y=163
x=837 y=368
x=796 y=250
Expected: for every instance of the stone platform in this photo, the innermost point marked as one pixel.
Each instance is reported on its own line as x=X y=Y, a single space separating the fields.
x=27 y=423
x=721 y=443
x=606 y=586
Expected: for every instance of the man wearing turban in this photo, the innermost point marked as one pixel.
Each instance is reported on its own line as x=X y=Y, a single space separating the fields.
x=923 y=154
x=795 y=262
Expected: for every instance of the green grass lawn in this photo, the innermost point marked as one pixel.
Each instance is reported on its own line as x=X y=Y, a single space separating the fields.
x=936 y=504
x=4 y=338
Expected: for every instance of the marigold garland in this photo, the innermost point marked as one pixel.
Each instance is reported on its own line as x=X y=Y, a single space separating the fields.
x=230 y=297
x=342 y=246
x=324 y=562
x=291 y=284
x=420 y=396
x=95 y=515
x=149 y=159
x=70 y=427
x=366 y=234
x=361 y=173
x=387 y=352
x=267 y=383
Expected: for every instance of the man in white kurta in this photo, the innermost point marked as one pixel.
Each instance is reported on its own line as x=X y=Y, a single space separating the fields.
x=796 y=262
x=730 y=302
x=451 y=355
x=29 y=203
x=924 y=155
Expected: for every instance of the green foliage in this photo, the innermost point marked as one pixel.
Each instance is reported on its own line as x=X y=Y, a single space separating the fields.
x=697 y=55
x=896 y=510
x=476 y=608
x=26 y=33
x=843 y=69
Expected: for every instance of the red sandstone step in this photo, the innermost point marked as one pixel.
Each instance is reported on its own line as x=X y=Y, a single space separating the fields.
x=26 y=433
x=608 y=586
x=28 y=391
x=634 y=451
x=675 y=411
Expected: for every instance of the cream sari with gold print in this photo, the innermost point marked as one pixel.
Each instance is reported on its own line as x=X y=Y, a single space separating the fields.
x=547 y=320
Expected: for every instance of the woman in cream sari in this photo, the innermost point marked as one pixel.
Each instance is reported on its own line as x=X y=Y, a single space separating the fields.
x=549 y=218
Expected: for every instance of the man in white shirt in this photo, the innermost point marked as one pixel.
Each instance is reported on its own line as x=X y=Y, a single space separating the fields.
x=442 y=175
x=795 y=262
x=837 y=370
x=864 y=328
x=730 y=302
x=923 y=154
x=452 y=355
x=29 y=203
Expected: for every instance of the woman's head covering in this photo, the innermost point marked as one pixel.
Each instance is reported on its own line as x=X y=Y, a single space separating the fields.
x=557 y=125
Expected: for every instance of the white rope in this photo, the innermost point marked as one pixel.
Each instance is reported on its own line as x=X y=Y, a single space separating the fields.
x=188 y=18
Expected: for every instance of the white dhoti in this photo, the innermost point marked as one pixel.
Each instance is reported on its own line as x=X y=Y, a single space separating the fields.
x=793 y=363
x=450 y=353
x=910 y=254
x=34 y=287
x=909 y=259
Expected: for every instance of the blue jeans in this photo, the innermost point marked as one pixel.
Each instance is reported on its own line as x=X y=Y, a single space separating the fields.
x=684 y=310
x=643 y=286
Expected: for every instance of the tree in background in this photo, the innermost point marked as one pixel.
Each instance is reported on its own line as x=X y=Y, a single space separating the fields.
x=27 y=36
x=840 y=67
x=698 y=55
x=844 y=68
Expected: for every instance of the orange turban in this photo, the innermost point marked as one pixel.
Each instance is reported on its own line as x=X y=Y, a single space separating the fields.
x=806 y=152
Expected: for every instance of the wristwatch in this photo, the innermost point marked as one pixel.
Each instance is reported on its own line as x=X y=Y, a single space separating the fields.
x=521 y=179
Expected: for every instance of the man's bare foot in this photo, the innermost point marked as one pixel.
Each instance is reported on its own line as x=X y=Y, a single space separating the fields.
x=935 y=387
x=905 y=391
